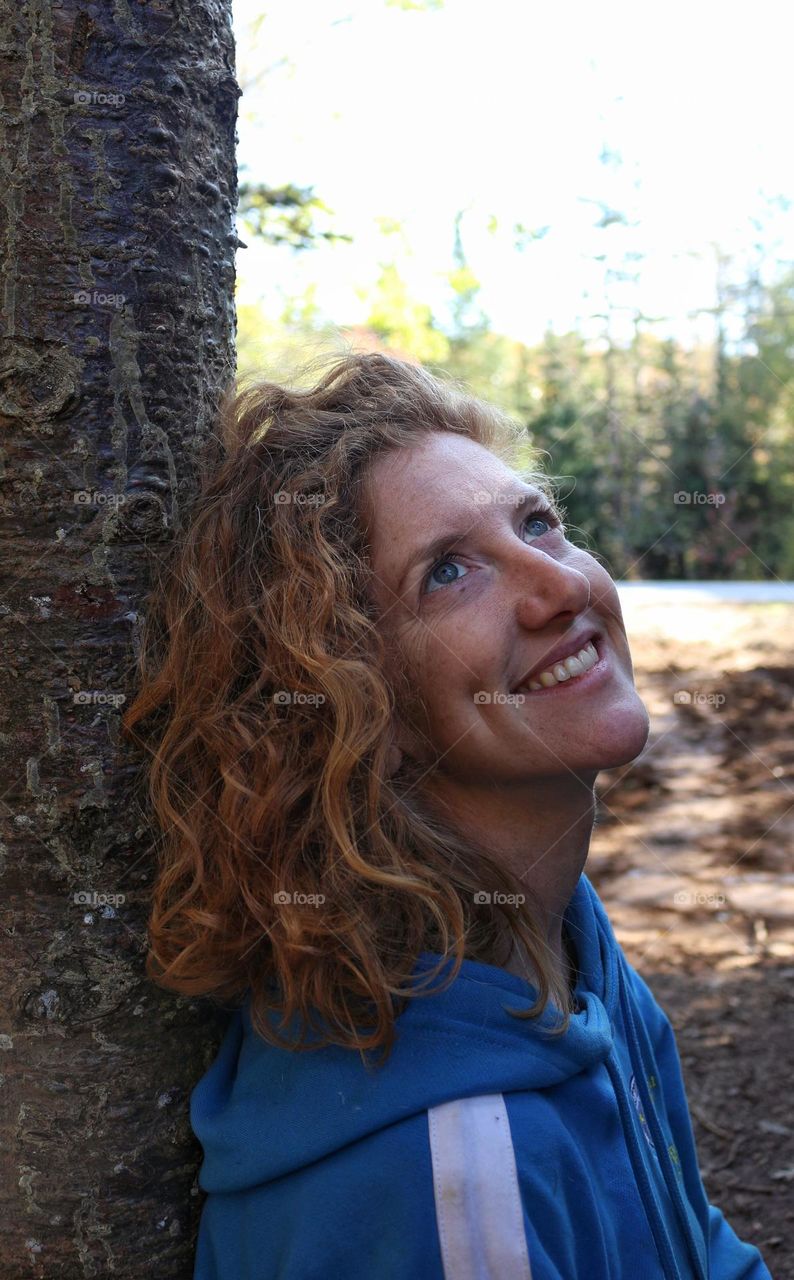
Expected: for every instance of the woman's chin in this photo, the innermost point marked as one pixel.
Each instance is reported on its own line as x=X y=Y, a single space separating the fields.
x=614 y=737
x=624 y=735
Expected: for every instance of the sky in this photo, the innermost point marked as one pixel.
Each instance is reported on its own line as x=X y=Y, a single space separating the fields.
x=502 y=109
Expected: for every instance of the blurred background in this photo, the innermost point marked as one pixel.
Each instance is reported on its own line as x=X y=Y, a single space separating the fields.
x=585 y=214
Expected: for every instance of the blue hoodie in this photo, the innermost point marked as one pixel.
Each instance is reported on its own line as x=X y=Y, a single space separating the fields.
x=482 y=1150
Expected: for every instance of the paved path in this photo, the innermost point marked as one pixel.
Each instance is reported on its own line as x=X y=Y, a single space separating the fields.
x=646 y=592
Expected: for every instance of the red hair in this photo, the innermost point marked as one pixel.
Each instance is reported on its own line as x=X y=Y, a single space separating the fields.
x=292 y=865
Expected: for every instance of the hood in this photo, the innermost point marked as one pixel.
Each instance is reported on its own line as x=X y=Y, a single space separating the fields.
x=261 y=1112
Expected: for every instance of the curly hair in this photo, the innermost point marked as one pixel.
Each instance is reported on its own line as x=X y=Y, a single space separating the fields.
x=293 y=865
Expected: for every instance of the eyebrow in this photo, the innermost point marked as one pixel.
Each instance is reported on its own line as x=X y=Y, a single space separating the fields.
x=447 y=542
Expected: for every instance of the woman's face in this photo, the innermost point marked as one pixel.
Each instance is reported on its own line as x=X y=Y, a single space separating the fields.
x=471 y=627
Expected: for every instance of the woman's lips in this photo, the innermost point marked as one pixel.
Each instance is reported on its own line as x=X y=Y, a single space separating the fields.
x=558 y=654
x=589 y=679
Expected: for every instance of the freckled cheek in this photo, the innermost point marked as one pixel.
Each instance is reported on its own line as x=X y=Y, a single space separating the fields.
x=456 y=672
x=431 y=674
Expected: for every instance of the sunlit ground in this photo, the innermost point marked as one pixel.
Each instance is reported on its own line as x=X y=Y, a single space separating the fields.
x=692 y=855
x=738 y=636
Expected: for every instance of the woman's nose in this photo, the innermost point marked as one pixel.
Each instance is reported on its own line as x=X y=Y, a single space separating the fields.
x=547 y=586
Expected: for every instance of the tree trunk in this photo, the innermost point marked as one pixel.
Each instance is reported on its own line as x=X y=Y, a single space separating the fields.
x=117 y=199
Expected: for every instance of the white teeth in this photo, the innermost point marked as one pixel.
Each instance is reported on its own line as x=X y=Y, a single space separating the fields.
x=547 y=678
x=575 y=665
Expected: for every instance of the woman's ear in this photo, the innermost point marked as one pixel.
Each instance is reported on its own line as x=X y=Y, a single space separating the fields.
x=393 y=759
x=406 y=746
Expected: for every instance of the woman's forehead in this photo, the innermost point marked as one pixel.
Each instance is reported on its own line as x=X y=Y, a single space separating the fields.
x=439 y=493
x=443 y=473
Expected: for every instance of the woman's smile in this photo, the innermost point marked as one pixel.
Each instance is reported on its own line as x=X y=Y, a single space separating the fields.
x=584 y=671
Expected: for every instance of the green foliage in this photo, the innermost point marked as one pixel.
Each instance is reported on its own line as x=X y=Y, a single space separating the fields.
x=286 y=215
x=275 y=347
x=625 y=430
x=403 y=324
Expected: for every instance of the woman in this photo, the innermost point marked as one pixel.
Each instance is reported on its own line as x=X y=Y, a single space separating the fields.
x=385 y=681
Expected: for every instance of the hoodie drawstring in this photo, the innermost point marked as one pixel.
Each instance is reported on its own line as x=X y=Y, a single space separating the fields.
x=647 y=1192
x=640 y=1063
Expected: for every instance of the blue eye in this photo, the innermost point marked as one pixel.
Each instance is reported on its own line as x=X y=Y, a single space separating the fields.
x=544 y=517
x=442 y=564
x=539 y=520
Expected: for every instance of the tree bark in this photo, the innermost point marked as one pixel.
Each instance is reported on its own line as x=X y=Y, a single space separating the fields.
x=118 y=192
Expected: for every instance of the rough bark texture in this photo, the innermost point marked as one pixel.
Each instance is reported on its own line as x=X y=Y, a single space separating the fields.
x=117 y=241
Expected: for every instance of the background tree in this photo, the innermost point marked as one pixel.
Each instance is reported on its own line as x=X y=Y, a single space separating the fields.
x=117 y=153
x=767 y=390
x=287 y=215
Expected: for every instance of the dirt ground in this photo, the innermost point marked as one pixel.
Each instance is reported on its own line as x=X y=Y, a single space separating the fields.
x=692 y=855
